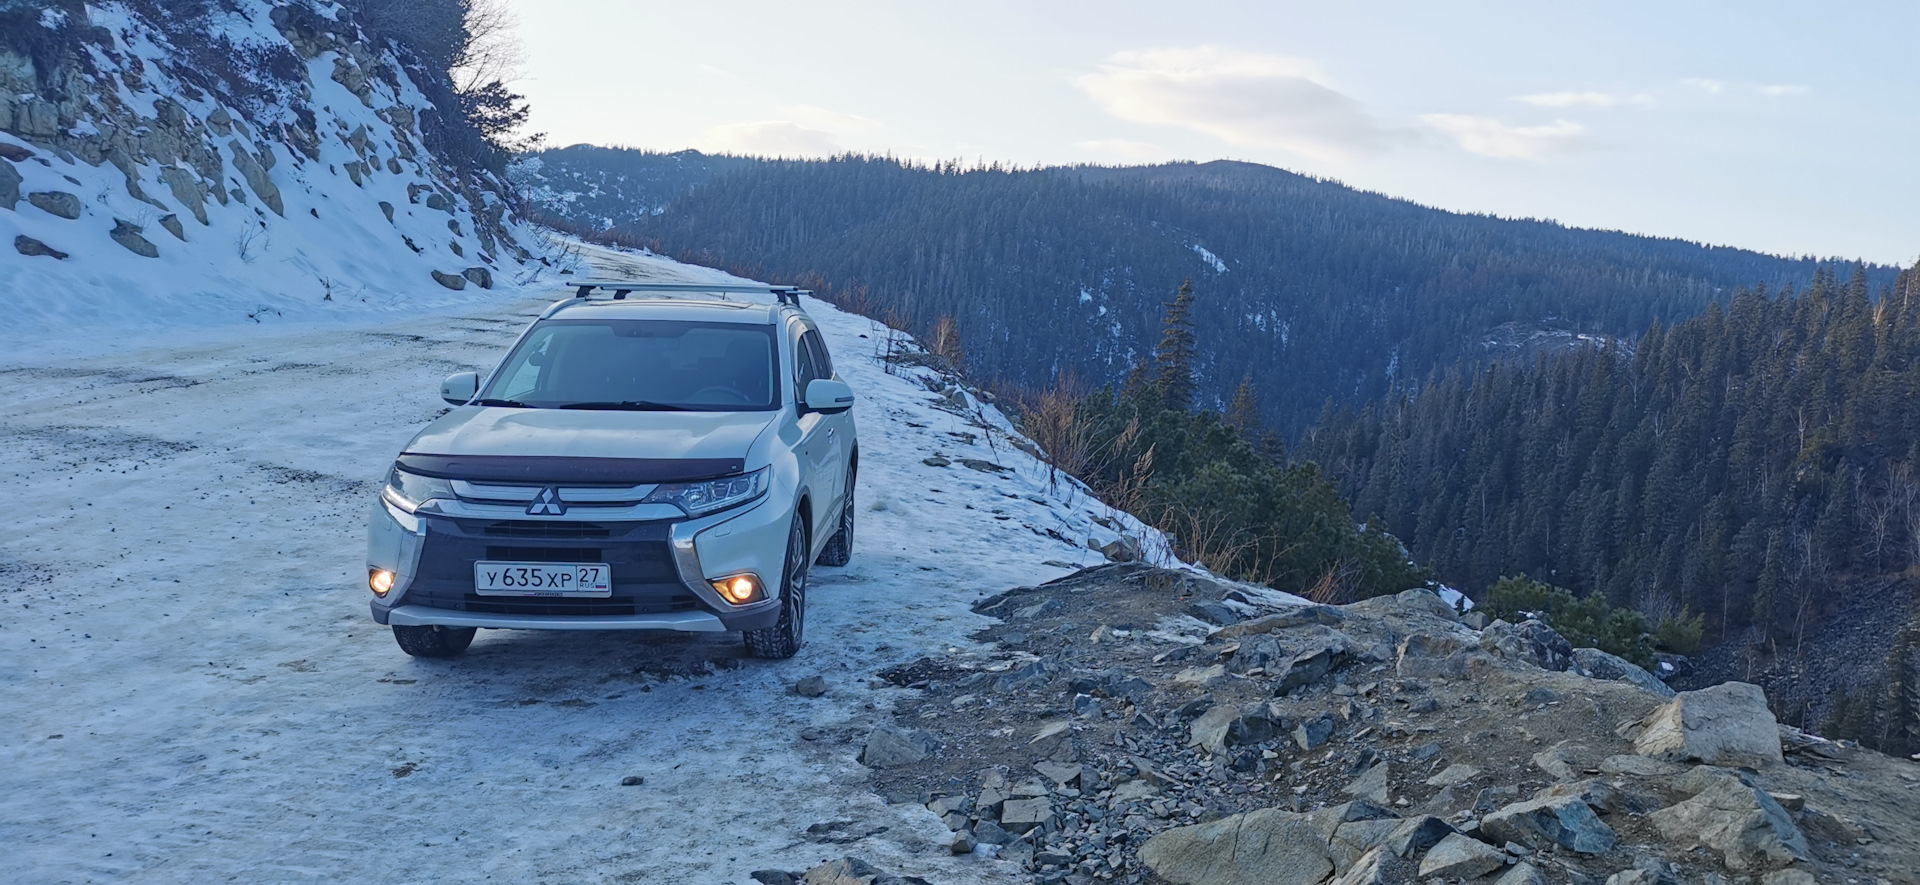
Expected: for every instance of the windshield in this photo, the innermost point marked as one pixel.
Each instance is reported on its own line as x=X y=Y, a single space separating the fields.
x=639 y=364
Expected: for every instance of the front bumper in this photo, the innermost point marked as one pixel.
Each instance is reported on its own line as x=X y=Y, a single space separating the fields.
x=661 y=569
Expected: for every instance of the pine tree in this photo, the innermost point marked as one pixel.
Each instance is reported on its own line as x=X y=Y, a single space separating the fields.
x=1173 y=358
x=1243 y=413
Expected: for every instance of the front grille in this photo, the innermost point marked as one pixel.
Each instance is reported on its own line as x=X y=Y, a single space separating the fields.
x=544 y=554
x=645 y=580
x=528 y=528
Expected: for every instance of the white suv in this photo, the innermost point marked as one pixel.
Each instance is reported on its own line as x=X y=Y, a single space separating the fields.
x=668 y=462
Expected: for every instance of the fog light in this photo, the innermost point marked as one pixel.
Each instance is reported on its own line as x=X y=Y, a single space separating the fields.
x=380 y=581
x=739 y=589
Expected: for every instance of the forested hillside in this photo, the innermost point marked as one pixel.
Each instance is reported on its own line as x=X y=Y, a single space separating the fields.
x=1758 y=465
x=1312 y=289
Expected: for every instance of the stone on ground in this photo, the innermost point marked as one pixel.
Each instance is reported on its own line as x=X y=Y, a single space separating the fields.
x=1726 y=724
x=1749 y=829
x=1552 y=820
x=1256 y=848
x=891 y=747
x=1461 y=857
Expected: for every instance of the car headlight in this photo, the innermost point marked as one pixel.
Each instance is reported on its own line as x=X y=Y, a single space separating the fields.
x=707 y=496
x=408 y=491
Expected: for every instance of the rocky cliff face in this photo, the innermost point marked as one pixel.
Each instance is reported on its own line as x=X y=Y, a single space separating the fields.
x=248 y=154
x=1133 y=724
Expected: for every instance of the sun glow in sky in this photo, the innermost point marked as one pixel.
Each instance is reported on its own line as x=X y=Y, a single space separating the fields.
x=1785 y=128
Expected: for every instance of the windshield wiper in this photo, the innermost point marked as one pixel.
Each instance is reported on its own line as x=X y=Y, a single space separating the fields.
x=503 y=403
x=631 y=405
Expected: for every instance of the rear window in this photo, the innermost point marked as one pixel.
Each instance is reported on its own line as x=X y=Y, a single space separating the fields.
x=639 y=364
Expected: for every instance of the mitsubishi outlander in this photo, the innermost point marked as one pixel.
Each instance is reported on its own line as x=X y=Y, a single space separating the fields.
x=671 y=461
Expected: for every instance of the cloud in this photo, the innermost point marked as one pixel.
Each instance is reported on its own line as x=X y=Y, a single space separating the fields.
x=1489 y=137
x=1779 y=90
x=1585 y=99
x=1710 y=87
x=1244 y=99
x=771 y=138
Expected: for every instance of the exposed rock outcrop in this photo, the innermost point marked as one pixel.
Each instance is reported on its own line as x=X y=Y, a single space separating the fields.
x=1108 y=733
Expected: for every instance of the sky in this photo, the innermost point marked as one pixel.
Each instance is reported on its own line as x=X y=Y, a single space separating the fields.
x=1787 y=128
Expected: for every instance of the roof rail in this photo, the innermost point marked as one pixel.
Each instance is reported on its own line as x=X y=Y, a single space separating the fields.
x=785 y=294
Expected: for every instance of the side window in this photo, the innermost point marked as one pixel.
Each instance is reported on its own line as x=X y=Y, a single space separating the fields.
x=818 y=345
x=804 y=368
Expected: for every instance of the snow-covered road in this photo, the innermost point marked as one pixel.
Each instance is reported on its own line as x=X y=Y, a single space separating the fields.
x=191 y=689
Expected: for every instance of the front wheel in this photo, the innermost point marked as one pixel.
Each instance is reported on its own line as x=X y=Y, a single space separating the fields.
x=839 y=549
x=433 y=641
x=782 y=640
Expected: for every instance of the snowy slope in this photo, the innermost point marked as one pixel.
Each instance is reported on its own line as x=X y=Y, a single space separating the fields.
x=193 y=689
x=265 y=210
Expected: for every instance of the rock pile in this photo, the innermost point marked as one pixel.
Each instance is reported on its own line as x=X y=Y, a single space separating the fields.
x=1132 y=724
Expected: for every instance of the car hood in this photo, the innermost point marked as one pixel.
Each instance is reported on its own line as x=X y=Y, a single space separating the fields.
x=570 y=433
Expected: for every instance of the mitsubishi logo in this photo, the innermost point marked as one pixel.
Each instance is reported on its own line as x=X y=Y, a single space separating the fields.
x=547 y=503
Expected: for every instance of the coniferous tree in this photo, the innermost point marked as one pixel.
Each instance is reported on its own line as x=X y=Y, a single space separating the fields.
x=1243 y=413
x=1173 y=358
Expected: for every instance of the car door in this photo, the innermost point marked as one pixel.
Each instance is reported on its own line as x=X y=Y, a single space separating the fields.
x=815 y=450
x=839 y=432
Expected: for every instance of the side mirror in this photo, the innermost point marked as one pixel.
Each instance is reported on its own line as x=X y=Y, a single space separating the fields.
x=827 y=396
x=460 y=387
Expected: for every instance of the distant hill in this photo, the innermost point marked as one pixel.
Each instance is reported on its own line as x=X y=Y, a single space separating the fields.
x=1314 y=290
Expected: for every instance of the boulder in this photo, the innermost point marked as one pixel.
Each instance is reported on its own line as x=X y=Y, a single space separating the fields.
x=1749 y=829
x=811 y=687
x=188 y=190
x=1596 y=664
x=128 y=235
x=889 y=746
x=1726 y=724
x=9 y=185
x=1415 y=835
x=480 y=276
x=1227 y=726
x=59 y=203
x=452 y=281
x=31 y=247
x=1371 y=786
x=1306 y=668
x=1021 y=815
x=1789 y=877
x=1054 y=741
x=1530 y=642
x=1523 y=873
x=1255 y=848
x=1378 y=867
x=1453 y=775
x=1213 y=612
x=172 y=223
x=1460 y=857
x=1311 y=733
x=254 y=170
x=845 y=871
x=1550 y=820
x=386 y=209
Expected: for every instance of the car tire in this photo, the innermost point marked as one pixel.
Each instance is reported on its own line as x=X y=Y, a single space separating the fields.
x=839 y=549
x=433 y=641
x=782 y=640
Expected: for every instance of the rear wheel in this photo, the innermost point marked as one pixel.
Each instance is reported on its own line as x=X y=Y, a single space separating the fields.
x=839 y=549
x=782 y=639
x=433 y=641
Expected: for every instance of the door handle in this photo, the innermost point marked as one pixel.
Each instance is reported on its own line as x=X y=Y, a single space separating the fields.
x=829 y=432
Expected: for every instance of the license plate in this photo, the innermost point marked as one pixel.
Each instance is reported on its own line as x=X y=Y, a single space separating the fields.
x=542 y=579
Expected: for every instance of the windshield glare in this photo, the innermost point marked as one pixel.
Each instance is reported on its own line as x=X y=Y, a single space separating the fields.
x=666 y=364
